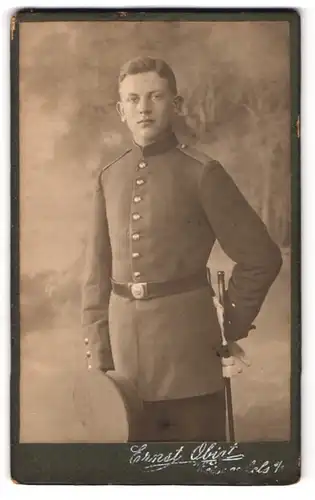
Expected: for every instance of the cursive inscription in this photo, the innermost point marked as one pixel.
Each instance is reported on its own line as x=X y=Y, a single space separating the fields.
x=158 y=461
x=212 y=458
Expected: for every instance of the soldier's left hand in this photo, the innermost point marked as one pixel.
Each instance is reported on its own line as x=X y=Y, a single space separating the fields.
x=237 y=361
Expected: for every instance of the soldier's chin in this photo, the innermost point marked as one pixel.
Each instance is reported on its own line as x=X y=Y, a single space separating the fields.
x=148 y=133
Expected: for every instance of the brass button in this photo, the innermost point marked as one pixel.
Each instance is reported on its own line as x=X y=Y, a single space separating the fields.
x=86 y=341
x=136 y=216
x=233 y=304
x=142 y=164
x=136 y=274
x=136 y=199
x=139 y=182
x=136 y=236
x=183 y=146
x=89 y=367
x=88 y=354
x=135 y=255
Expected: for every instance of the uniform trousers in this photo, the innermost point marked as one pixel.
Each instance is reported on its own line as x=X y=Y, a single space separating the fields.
x=199 y=418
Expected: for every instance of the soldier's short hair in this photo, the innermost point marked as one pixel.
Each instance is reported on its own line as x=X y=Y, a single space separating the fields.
x=146 y=64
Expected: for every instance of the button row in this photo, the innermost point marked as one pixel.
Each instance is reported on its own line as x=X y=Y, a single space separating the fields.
x=136 y=216
x=88 y=354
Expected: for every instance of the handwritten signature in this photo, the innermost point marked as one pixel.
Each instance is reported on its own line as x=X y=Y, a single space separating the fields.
x=206 y=457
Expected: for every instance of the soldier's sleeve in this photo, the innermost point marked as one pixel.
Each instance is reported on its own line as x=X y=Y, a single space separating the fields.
x=245 y=239
x=96 y=285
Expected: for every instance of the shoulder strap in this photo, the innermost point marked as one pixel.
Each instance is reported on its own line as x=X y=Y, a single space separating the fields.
x=112 y=162
x=195 y=154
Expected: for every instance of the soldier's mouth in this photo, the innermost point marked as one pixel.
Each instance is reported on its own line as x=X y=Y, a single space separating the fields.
x=146 y=122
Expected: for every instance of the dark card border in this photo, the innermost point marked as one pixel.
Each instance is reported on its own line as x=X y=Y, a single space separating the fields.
x=107 y=463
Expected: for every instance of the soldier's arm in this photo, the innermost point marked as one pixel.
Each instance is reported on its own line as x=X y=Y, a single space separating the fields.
x=245 y=239
x=96 y=285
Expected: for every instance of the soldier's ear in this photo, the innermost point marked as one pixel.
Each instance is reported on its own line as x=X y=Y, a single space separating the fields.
x=178 y=102
x=120 y=111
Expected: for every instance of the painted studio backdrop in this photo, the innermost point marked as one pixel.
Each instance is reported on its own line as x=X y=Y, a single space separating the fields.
x=235 y=78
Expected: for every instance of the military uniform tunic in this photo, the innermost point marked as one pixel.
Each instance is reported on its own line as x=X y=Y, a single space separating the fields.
x=157 y=212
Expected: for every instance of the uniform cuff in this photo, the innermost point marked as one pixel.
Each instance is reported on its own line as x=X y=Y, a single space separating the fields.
x=98 y=356
x=105 y=360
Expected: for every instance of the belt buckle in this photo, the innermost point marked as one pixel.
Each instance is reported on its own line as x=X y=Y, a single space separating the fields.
x=138 y=290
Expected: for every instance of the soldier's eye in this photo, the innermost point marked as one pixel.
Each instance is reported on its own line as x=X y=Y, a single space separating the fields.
x=157 y=97
x=133 y=98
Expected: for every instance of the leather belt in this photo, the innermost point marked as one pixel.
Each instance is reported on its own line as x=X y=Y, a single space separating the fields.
x=150 y=290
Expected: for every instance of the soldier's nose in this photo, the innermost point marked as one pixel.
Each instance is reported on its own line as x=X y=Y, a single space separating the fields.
x=144 y=106
x=145 y=113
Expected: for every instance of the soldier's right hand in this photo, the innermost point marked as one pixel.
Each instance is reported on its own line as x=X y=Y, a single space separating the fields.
x=235 y=363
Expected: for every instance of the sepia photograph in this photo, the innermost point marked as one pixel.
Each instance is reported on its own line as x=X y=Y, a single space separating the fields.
x=155 y=231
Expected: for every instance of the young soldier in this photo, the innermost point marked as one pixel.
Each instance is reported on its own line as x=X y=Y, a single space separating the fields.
x=147 y=303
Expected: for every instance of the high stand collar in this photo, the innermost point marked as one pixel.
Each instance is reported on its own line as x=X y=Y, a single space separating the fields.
x=167 y=142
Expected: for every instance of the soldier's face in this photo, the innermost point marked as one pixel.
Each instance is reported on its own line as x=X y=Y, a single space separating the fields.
x=147 y=105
